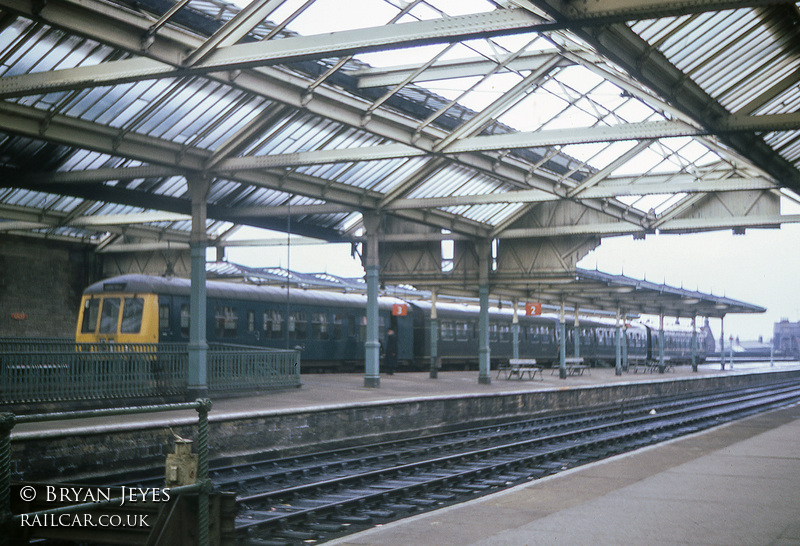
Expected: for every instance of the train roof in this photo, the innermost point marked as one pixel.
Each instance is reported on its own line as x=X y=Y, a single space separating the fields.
x=138 y=283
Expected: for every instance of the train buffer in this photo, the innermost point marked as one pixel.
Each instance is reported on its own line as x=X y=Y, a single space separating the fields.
x=518 y=367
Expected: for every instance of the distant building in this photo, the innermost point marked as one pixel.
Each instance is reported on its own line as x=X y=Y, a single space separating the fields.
x=787 y=338
x=708 y=338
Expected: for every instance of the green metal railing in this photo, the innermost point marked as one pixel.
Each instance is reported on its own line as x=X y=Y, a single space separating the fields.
x=203 y=486
x=232 y=368
x=33 y=370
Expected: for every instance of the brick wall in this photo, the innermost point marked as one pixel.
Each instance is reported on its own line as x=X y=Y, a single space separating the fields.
x=40 y=286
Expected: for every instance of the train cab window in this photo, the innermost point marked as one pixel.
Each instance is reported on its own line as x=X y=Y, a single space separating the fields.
x=226 y=321
x=163 y=317
x=185 y=315
x=319 y=326
x=273 y=324
x=336 y=326
x=91 y=308
x=447 y=330
x=109 y=316
x=298 y=325
x=132 y=316
x=251 y=321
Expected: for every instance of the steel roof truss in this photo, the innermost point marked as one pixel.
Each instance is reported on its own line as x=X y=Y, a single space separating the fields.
x=274 y=52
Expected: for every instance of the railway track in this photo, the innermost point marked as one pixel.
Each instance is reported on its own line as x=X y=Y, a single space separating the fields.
x=337 y=495
x=320 y=496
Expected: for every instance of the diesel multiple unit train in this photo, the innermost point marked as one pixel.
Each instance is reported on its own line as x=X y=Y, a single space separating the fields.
x=330 y=328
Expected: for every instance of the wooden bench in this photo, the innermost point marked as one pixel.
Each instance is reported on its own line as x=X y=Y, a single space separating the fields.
x=574 y=365
x=519 y=367
x=650 y=366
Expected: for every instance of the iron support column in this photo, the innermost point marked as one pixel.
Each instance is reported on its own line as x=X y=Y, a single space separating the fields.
x=722 y=342
x=515 y=332
x=197 y=386
x=694 y=343
x=661 y=366
x=562 y=344
x=576 y=335
x=372 y=346
x=618 y=343
x=7 y=421
x=206 y=487
x=484 y=378
x=484 y=352
x=434 y=337
x=624 y=344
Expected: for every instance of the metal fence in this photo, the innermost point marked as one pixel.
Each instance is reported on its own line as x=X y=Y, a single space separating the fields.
x=34 y=370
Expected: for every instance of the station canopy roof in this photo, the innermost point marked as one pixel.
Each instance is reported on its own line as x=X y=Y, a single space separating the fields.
x=591 y=291
x=461 y=115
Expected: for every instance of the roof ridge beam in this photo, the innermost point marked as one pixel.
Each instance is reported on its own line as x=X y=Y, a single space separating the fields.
x=234 y=30
x=274 y=52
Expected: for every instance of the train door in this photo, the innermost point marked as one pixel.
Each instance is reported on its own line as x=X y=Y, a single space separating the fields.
x=649 y=350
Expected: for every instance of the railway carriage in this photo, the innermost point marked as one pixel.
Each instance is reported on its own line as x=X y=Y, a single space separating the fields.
x=330 y=328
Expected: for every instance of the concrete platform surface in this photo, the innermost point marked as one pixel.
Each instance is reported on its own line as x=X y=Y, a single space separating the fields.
x=332 y=390
x=738 y=484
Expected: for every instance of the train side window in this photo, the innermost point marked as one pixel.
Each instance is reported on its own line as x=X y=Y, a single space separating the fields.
x=163 y=317
x=505 y=333
x=273 y=324
x=185 y=315
x=298 y=325
x=447 y=331
x=319 y=326
x=251 y=321
x=462 y=331
x=338 y=320
x=493 y=332
x=226 y=322
x=91 y=308
x=132 y=316
x=109 y=316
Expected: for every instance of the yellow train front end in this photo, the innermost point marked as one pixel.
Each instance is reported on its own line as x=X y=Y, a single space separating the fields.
x=118 y=317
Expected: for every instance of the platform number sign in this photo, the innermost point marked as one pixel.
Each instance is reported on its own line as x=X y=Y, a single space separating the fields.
x=399 y=309
x=533 y=309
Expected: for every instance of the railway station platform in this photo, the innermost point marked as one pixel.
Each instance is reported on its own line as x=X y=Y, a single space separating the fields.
x=732 y=485
x=320 y=391
x=335 y=410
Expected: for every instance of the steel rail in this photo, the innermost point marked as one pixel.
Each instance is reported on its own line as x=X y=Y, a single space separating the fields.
x=565 y=445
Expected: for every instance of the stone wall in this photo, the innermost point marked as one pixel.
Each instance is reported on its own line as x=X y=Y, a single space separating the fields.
x=74 y=453
x=40 y=286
